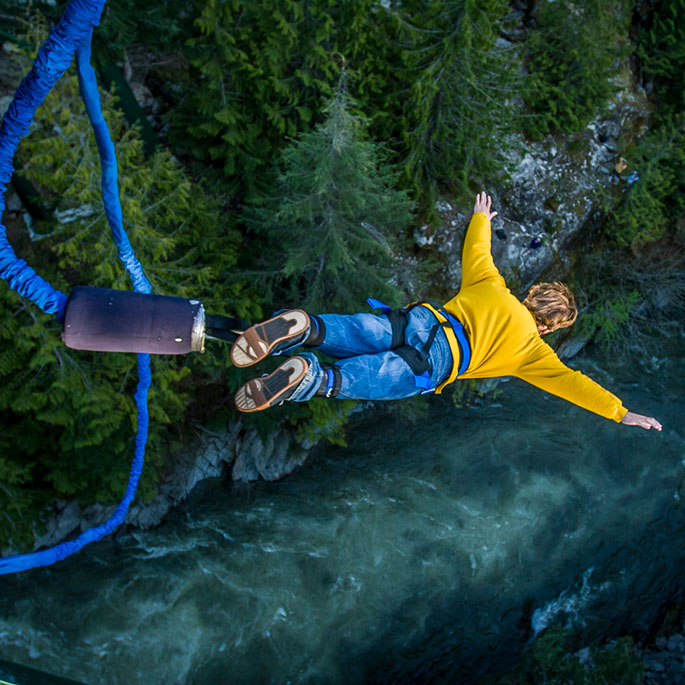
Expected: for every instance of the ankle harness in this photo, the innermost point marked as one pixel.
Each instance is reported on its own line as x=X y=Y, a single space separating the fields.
x=331 y=383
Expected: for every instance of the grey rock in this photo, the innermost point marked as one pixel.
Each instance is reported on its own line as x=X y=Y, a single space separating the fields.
x=12 y=201
x=570 y=348
x=149 y=515
x=245 y=464
x=5 y=102
x=270 y=460
x=585 y=656
x=283 y=458
x=191 y=468
x=66 y=521
x=676 y=643
x=96 y=515
x=550 y=197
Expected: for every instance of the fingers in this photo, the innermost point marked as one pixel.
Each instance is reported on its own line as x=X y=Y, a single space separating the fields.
x=646 y=422
x=653 y=423
x=484 y=204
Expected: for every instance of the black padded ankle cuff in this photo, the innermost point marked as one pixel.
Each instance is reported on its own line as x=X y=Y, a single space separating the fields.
x=331 y=382
x=317 y=332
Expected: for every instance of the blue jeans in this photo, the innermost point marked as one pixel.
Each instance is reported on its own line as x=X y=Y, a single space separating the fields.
x=369 y=369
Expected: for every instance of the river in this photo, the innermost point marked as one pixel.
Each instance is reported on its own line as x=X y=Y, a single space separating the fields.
x=424 y=552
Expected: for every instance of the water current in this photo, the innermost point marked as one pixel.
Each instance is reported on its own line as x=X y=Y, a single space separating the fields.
x=421 y=552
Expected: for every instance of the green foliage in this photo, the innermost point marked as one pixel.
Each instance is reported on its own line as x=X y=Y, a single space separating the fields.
x=68 y=416
x=628 y=296
x=548 y=662
x=651 y=207
x=322 y=418
x=331 y=223
x=162 y=26
x=433 y=80
x=455 y=95
x=264 y=70
x=662 y=53
x=607 y=319
x=570 y=58
x=463 y=392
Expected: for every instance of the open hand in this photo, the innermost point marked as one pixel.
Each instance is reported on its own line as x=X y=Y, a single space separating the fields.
x=646 y=422
x=483 y=204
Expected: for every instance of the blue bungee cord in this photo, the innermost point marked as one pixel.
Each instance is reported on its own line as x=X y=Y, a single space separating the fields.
x=72 y=35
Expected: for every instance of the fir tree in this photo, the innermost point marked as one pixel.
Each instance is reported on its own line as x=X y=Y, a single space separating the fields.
x=571 y=57
x=264 y=69
x=334 y=216
x=662 y=52
x=460 y=81
x=653 y=206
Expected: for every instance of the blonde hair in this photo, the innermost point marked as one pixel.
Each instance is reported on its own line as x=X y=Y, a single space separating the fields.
x=552 y=305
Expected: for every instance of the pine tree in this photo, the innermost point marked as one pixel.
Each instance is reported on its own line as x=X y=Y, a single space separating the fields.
x=662 y=53
x=334 y=216
x=265 y=68
x=571 y=57
x=653 y=206
x=460 y=81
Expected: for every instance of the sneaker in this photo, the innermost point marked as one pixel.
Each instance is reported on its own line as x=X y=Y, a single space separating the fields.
x=274 y=388
x=260 y=340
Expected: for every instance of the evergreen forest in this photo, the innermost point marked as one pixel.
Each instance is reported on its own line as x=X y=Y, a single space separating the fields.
x=278 y=153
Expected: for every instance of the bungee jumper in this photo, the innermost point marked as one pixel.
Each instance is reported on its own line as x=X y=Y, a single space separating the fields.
x=483 y=332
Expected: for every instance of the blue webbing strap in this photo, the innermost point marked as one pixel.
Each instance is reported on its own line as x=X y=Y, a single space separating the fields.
x=72 y=34
x=377 y=304
x=464 y=346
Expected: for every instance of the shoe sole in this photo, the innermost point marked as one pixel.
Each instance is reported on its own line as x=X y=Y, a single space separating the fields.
x=261 y=393
x=259 y=340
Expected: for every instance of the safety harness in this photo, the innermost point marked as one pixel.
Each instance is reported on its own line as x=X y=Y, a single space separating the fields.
x=418 y=359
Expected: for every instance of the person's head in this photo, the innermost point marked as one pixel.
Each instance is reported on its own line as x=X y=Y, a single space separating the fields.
x=552 y=305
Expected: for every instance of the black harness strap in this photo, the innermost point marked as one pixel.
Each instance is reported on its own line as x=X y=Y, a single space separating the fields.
x=417 y=360
x=398 y=321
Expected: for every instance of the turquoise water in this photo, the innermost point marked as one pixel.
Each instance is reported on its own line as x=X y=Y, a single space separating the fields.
x=431 y=551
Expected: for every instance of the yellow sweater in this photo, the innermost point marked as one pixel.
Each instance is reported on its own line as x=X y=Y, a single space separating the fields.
x=503 y=334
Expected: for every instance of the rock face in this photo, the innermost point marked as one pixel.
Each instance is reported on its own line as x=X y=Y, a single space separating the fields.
x=249 y=456
x=550 y=199
x=272 y=459
x=665 y=661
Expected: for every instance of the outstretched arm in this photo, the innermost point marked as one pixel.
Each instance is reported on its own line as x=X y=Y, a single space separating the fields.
x=546 y=371
x=476 y=260
x=646 y=422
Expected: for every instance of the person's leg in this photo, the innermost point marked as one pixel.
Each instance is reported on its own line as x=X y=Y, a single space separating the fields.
x=338 y=335
x=381 y=376
x=351 y=335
